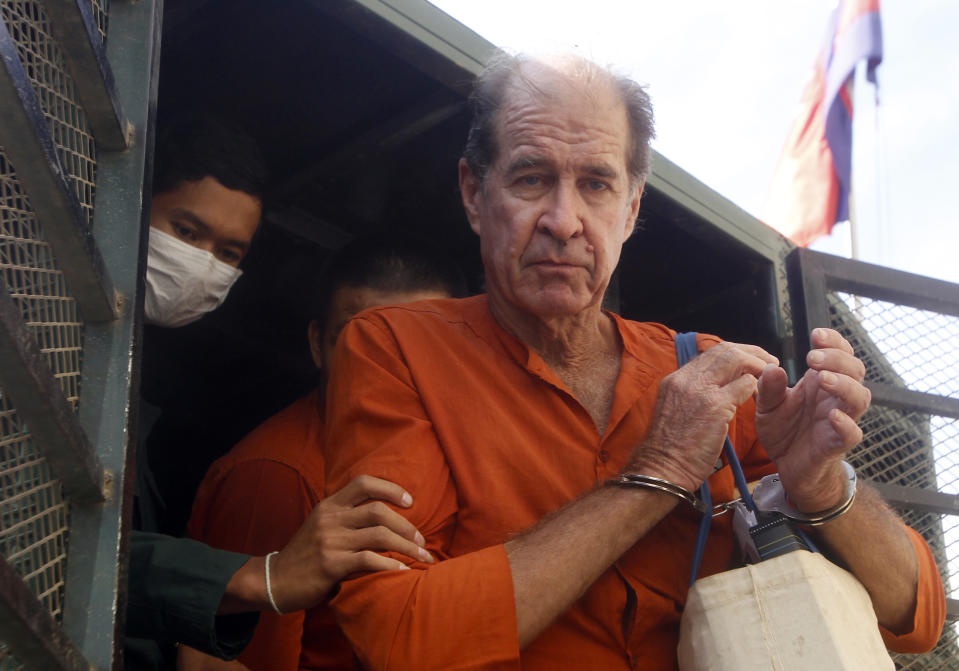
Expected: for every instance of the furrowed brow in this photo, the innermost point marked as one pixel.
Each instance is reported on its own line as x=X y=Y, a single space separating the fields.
x=525 y=163
x=601 y=170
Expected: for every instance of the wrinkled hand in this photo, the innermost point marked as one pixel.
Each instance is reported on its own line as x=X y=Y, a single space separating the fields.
x=807 y=429
x=693 y=410
x=342 y=536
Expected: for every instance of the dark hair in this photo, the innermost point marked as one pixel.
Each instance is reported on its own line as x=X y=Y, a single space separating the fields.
x=490 y=92
x=386 y=262
x=191 y=150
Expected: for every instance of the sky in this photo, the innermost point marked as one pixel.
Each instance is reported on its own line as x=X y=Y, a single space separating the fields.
x=726 y=78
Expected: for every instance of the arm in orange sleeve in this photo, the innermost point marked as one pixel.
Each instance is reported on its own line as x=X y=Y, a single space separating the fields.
x=930 y=614
x=457 y=613
x=256 y=508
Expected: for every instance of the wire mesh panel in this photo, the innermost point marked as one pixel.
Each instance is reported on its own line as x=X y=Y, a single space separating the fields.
x=919 y=350
x=44 y=63
x=920 y=346
x=36 y=284
x=33 y=513
x=101 y=11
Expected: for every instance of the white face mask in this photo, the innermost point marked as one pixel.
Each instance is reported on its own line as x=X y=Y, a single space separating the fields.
x=183 y=282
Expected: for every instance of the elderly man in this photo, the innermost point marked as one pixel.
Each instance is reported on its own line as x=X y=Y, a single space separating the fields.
x=508 y=417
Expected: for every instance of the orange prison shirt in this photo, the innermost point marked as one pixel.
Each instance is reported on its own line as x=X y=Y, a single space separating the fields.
x=253 y=500
x=437 y=397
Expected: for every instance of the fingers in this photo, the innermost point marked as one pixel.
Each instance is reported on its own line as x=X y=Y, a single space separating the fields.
x=381 y=539
x=365 y=487
x=771 y=388
x=832 y=352
x=728 y=361
x=741 y=389
x=370 y=561
x=846 y=428
x=376 y=514
x=823 y=338
x=854 y=398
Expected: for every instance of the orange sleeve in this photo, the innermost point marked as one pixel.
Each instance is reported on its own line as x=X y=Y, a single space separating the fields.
x=930 y=615
x=256 y=508
x=456 y=614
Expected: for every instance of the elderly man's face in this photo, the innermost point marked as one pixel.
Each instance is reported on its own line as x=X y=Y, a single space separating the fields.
x=557 y=204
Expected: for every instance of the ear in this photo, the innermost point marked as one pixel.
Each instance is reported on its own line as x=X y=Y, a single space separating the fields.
x=315 y=336
x=633 y=210
x=471 y=190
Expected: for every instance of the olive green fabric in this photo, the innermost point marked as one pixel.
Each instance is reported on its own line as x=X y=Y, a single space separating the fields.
x=175 y=588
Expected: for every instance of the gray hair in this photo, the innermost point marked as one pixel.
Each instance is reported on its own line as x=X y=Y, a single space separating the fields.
x=489 y=94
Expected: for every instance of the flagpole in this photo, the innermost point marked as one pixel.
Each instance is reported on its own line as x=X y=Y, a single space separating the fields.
x=853 y=237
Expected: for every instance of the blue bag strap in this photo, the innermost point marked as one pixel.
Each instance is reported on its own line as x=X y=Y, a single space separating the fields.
x=686 y=350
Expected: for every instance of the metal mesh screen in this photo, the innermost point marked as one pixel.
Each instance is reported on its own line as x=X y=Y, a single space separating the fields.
x=36 y=284
x=921 y=347
x=33 y=513
x=101 y=11
x=913 y=349
x=43 y=61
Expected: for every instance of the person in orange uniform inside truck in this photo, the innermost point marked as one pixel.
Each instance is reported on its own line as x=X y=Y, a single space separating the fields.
x=255 y=498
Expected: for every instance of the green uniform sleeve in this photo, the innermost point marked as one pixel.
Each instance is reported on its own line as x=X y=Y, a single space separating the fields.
x=175 y=588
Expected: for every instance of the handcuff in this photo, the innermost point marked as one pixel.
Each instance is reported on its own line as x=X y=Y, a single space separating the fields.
x=769 y=496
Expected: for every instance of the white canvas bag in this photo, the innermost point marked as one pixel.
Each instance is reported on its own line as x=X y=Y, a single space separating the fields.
x=795 y=612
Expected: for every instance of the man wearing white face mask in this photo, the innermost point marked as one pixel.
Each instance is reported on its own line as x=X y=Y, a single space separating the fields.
x=207 y=202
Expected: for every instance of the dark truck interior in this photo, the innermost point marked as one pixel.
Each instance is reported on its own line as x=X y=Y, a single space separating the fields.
x=362 y=125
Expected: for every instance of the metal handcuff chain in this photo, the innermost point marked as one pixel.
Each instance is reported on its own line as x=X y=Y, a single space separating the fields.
x=650 y=482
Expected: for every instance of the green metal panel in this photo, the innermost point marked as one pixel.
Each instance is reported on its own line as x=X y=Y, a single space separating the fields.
x=96 y=577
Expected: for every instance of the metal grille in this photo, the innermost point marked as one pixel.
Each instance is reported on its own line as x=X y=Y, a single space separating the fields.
x=914 y=349
x=33 y=514
x=36 y=284
x=44 y=64
x=921 y=346
x=101 y=11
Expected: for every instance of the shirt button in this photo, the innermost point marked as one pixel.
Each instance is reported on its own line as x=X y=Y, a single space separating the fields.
x=603 y=456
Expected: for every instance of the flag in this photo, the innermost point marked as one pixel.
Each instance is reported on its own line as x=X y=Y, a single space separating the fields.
x=810 y=190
